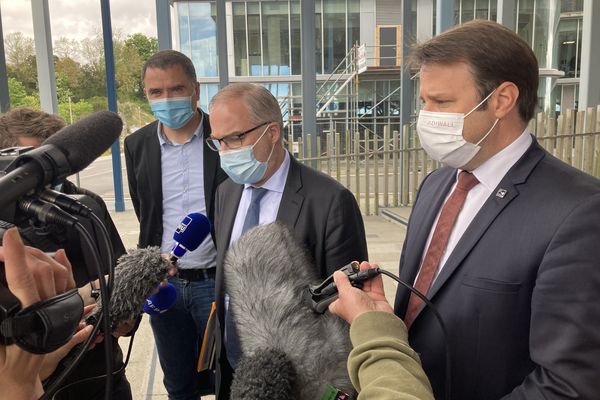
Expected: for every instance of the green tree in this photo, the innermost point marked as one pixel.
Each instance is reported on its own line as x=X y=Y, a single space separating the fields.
x=144 y=45
x=20 y=60
x=19 y=96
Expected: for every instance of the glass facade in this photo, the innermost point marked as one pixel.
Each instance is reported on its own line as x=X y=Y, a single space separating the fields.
x=467 y=10
x=198 y=35
x=267 y=35
x=267 y=39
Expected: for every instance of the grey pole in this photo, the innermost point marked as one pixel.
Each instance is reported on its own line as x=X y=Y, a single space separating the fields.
x=163 y=24
x=406 y=84
x=589 y=85
x=444 y=18
x=43 y=55
x=506 y=14
x=309 y=77
x=222 y=44
x=4 y=97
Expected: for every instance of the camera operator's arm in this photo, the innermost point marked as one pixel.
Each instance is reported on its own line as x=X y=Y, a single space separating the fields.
x=31 y=276
x=381 y=365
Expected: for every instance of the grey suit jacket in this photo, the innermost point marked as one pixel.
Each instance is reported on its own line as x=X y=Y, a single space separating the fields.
x=323 y=215
x=142 y=157
x=520 y=293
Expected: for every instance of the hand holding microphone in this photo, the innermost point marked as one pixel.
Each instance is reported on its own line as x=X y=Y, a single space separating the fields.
x=353 y=301
x=138 y=273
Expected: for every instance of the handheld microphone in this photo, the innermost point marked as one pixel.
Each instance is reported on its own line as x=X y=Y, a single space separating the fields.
x=190 y=233
x=161 y=301
x=68 y=151
x=276 y=317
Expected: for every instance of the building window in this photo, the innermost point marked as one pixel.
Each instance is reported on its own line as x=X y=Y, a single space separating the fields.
x=198 y=35
x=240 y=49
x=569 y=46
x=254 y=42
x=275 y=38
x=334 y=33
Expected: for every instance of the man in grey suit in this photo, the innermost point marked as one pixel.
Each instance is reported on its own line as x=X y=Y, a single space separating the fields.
x=515 y=274
x=267 y=182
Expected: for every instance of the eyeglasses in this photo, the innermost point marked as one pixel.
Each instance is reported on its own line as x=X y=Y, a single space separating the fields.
x=232 y=141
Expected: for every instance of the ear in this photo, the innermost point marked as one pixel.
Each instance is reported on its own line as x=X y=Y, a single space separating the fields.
x=275 y=132
x=197 y=91
x=507 y=96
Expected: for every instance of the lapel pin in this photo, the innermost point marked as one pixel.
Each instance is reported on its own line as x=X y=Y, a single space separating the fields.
x=501 y=193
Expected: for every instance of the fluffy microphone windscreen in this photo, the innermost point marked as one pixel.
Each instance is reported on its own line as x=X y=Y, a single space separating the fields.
x=86 y=139
x=264 y=365
x=267 y=273
x=136 y=276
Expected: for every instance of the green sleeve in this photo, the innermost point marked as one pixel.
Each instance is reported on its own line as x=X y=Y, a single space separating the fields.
x=382 y=365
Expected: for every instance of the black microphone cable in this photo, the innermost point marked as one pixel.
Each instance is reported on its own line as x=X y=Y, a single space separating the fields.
x=74 y=206
x=437 y=316
x=103 y=376
x=102 y=321
x=49 y=213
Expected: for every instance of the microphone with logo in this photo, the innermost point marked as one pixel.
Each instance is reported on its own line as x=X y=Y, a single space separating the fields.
x=288 y=350
x=139 y=273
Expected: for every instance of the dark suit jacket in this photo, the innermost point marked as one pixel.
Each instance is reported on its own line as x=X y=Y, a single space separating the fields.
x=142 y=157
x=322 y=214
x=520 y=293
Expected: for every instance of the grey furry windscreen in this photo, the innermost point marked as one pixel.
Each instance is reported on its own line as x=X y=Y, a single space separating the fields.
x=267 y=273
x=136 y=275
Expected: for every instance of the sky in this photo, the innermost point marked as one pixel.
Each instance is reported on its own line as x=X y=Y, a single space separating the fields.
x=78 y=19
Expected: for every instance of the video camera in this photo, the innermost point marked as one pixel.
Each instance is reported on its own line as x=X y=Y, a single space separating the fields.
x=50 y=237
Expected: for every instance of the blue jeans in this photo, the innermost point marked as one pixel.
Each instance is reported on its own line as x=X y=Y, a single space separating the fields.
x=178 y=334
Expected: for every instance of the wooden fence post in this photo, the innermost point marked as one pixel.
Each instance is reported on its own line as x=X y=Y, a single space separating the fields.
x=348 y=147
x=589 y=141
x=338 y=175
x=357 y=166
x=405 y=165
x=367 y=173
x=395 y=169
x=578 y=150
x=386 y=149
x=597 y=151
x=375 y=175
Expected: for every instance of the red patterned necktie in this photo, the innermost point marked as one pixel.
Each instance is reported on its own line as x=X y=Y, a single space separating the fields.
x=439 y=241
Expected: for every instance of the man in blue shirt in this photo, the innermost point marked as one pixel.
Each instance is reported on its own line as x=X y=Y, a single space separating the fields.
x=172 y=173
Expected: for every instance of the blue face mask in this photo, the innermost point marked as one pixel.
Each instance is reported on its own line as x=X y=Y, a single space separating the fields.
x=174 y=112
x=241 y=165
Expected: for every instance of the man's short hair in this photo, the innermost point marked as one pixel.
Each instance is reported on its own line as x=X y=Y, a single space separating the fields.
x=261 y=104
x=25 y=122
x=494 y=53
x=167 y=58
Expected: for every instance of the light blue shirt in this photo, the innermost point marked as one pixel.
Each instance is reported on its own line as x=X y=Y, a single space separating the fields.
x=269 y=204
x=182 y=167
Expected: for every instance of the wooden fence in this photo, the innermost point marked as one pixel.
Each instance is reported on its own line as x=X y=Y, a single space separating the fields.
x=386 y=169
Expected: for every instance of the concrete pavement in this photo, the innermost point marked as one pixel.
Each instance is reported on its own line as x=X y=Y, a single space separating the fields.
x=385 y=236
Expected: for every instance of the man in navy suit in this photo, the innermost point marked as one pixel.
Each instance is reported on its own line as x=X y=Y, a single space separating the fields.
x=516 y=276
x=322 y=214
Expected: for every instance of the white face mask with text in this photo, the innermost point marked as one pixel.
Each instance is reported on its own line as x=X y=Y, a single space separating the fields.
x=441 y=135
